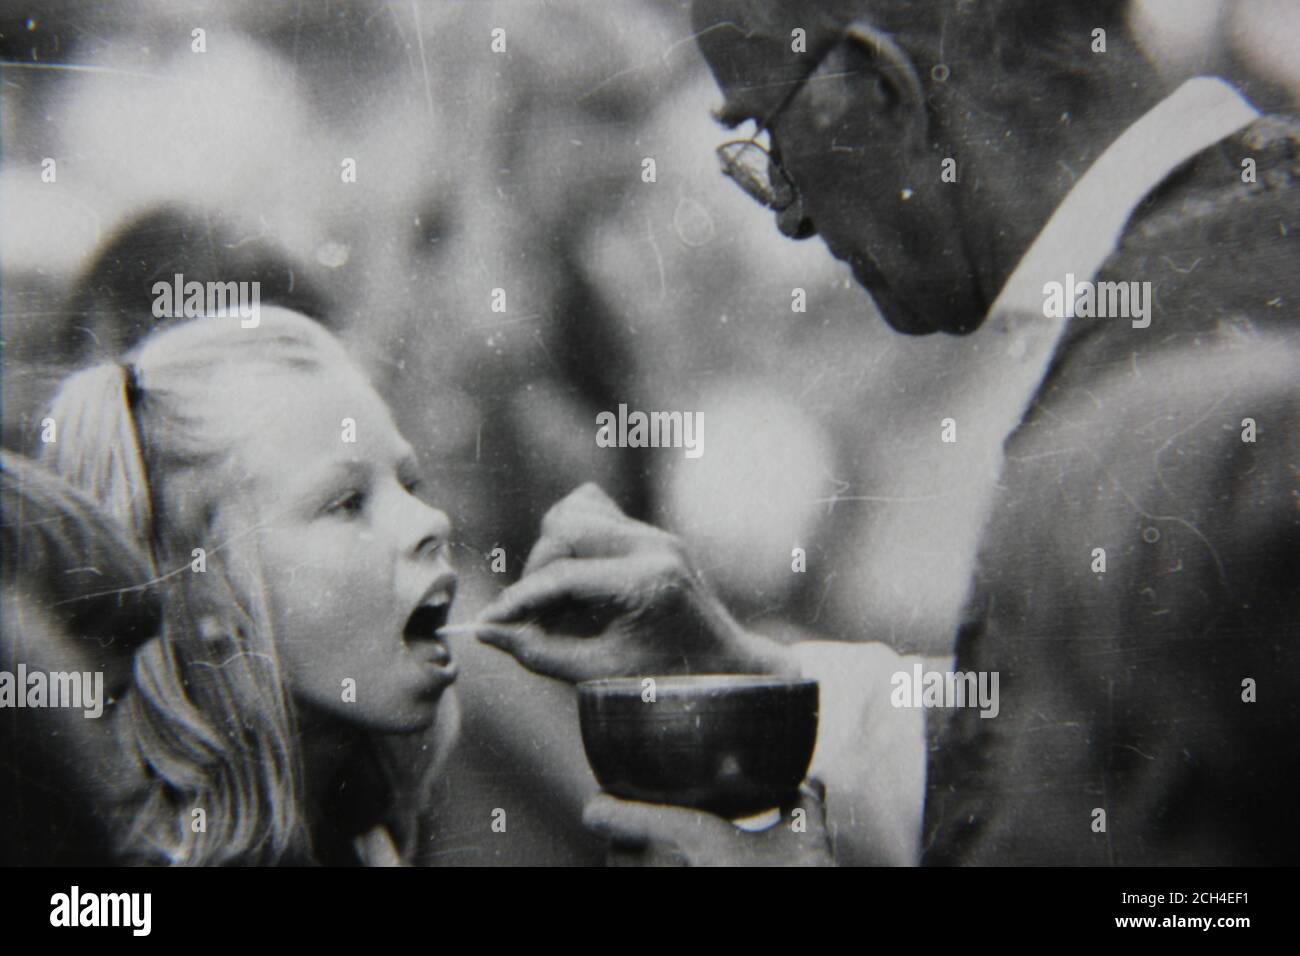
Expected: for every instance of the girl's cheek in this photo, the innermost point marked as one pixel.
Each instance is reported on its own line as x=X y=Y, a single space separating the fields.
x=337 y=564
x=365 y=568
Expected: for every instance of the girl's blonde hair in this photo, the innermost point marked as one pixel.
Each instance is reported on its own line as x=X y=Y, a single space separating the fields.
x=209 y=716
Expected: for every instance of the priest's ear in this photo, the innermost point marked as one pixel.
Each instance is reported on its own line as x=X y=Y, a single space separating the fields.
x=871 y=76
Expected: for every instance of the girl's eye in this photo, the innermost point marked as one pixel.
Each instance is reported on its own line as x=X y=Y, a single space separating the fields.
x=413 y=485
x=348 y=505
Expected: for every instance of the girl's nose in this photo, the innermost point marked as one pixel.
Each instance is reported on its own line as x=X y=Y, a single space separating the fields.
x=435 y=529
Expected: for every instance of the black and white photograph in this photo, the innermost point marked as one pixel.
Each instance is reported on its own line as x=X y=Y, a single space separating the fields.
x=723 y=433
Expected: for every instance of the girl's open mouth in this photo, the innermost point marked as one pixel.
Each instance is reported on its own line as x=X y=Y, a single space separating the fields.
x=430 y=615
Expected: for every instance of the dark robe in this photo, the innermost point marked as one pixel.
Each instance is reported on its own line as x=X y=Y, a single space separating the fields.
x=1123 y=691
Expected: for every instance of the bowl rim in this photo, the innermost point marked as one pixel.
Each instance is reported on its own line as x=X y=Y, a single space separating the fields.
x=688 y=683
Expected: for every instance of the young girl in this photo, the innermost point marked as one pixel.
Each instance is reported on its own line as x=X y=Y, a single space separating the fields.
x=297 y=695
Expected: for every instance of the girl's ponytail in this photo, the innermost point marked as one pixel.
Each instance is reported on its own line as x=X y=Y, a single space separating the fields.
x=96 y=445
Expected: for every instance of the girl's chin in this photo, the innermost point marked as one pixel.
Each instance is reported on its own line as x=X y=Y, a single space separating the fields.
x=413 y=711
x=416 y=717
x=436 y=720
x=422 y=704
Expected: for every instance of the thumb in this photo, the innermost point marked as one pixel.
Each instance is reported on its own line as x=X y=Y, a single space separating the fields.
x=634 y=822
x=811 y=800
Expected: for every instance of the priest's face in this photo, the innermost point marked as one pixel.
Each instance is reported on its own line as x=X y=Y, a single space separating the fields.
x=850 y=154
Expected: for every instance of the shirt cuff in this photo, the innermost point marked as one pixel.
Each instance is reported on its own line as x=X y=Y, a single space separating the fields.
x=870 y=755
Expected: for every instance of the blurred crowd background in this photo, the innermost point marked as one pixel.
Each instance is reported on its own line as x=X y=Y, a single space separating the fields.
x=521 y=170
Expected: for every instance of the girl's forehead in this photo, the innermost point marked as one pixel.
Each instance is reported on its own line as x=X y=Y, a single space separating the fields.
x=327 y=413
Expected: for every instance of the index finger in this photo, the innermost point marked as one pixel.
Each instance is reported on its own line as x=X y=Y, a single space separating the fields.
x=589 y=534
x=591 y=495
x=608 y=581
x=633 y=822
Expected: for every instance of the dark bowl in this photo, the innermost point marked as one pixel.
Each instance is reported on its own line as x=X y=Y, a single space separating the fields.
x=731 y=745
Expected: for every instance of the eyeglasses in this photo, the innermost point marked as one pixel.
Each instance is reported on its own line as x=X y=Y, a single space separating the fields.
x=758 y=170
